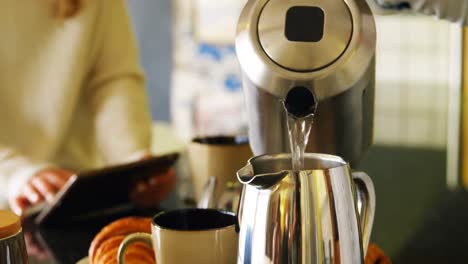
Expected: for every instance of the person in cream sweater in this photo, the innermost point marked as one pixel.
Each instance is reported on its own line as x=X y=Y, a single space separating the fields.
x=72 y=95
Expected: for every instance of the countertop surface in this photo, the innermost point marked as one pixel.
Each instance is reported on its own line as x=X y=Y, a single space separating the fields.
x=418 y=220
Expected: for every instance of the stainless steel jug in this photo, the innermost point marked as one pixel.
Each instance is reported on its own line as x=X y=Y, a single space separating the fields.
x=324 y=47
x=323 y=214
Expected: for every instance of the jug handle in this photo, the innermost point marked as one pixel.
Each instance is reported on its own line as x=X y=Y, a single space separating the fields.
x=365 y=193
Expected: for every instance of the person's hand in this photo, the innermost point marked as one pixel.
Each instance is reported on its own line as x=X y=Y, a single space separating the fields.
x=152 y=191
x=43 y=186
x=35 y=249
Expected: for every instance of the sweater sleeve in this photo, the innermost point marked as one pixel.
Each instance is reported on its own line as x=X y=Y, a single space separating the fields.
x=116 y=91
x=15 y=171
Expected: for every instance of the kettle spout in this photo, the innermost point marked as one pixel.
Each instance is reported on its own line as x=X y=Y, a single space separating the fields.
x=247 y=176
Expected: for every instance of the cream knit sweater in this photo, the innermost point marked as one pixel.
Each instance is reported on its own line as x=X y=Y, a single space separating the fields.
x=71 y=92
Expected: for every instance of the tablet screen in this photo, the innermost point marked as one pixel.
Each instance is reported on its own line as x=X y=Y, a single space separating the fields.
x=101 y=191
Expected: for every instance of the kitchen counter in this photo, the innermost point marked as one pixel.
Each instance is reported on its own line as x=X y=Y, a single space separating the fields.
x=417 y=219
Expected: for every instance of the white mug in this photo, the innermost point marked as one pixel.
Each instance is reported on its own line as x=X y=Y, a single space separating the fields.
x=218 y=156
x=189 y=236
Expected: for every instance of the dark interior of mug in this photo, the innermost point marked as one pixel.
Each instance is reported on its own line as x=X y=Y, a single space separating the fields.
x=222 y=140
x=194 y=219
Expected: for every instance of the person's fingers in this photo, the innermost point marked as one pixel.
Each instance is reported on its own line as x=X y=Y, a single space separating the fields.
x=146 y=156
x=58 y=180
x=45 y=188
x=34 y=247
x=19 y=205
x=154 y=189
x=32 y=194
x=65 y=175
x=161 y=178
x=141 y=187
x=153 y=181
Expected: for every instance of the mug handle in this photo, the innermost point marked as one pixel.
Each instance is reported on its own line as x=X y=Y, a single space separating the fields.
x=129 y=240
x=365 y=194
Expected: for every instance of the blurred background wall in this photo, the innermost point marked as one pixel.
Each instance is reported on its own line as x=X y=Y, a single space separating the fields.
x=152 y=21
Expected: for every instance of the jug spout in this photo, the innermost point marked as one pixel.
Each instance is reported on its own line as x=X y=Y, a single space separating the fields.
x=247 y=176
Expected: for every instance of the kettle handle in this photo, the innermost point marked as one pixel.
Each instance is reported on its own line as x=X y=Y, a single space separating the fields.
x=365 y=193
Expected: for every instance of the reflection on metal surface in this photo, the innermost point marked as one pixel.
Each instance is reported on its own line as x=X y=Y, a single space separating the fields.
x=305 y=56
x=309 y=216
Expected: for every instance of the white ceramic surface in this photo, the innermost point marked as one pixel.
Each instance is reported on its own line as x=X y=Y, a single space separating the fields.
x=84 y=260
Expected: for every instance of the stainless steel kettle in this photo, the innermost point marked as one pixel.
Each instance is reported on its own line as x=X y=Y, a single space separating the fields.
x=326 y=48
x=323 y=214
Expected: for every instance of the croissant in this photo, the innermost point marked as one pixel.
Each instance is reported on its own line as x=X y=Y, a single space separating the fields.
x=105 y=245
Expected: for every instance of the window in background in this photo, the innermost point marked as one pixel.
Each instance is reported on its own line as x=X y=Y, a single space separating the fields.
x=206 y=95
x=413 y=81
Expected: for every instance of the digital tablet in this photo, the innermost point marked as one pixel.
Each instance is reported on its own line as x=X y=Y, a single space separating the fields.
x=100 y=192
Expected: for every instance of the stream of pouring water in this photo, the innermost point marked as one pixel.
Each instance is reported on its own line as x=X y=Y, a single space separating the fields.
x=299 y=130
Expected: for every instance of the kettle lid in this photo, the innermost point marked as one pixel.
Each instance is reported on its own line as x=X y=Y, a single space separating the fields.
x=305 y=35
